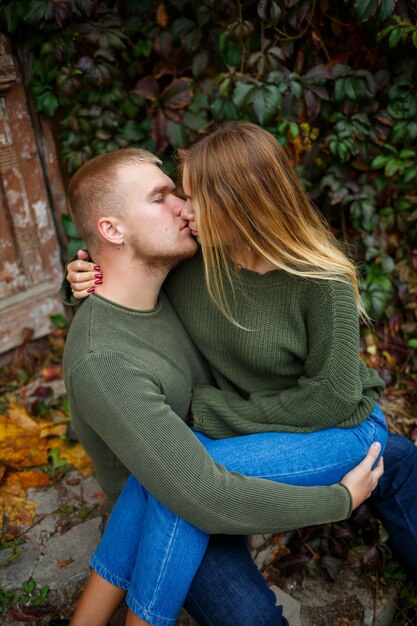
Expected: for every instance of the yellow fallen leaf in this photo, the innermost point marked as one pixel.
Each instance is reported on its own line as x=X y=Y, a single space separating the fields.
x=20 y=418
x=24 y=441
x=30 y=479
x=47 y=429
x=388 y=357
x=14 y=505
x=75 y=454
x=21 y=447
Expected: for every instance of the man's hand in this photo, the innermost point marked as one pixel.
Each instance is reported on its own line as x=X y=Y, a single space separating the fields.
x=362 y=480
x=83 y=276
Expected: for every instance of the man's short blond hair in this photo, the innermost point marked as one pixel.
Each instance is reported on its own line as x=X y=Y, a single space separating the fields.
x=95 y=191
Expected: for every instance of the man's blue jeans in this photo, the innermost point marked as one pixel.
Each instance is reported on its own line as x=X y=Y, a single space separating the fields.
x=229 y=590
x=154 y=554
x=395 y=500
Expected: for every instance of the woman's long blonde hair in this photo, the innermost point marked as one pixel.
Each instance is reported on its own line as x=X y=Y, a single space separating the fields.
x=246 y=194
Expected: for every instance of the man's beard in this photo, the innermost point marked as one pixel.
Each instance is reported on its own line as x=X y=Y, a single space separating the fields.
x=156 y=262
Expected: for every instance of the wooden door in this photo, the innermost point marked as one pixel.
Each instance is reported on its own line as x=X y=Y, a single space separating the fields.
x=30 y=265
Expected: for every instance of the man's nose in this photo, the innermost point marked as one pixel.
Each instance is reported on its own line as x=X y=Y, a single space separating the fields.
x=178 y=207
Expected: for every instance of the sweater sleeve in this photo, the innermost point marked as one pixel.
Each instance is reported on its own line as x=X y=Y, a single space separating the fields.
x=129 y=413
x=329 y=393
x=65 y=292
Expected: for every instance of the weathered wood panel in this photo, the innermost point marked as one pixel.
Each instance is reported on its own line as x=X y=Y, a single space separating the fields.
x=30 y=265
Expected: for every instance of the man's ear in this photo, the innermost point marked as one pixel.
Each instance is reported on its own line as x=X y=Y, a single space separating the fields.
x=111 y=230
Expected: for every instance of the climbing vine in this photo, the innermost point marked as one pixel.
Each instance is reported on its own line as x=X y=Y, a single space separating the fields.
x=335 y=82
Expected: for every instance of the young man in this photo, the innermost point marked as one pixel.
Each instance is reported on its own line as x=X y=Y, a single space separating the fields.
x=130 y=368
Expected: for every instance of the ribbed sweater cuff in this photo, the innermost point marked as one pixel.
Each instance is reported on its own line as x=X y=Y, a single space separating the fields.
x=204 y=421
x=349 y=496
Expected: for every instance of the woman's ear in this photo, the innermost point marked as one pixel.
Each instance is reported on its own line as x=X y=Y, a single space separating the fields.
x=111 y=230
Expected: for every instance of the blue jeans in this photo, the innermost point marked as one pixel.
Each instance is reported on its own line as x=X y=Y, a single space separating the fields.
x=229 y=590
x=154 y=554
x=395 y=503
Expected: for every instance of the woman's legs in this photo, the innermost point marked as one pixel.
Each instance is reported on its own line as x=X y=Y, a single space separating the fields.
x=98 y=602
x=113 y=560
x=319 y=458
x=170 y=550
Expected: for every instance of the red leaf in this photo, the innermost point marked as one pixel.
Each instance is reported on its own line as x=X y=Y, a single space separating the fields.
x=175 y=116
x=159 y=131
x=163 y=45
x=178 y=94
x=64 y=562
x=148 y=88
x=19 y=616
x=42 y=392
x=50 y=373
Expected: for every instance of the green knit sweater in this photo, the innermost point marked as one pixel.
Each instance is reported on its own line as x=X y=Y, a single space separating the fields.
x=295 y=365
x=129 y=377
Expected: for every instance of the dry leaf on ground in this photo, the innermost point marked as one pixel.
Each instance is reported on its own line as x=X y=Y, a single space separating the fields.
x=75 y=454
x=14 y=505
x=20 y=441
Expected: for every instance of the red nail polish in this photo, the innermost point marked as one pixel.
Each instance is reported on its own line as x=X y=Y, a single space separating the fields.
x=97 y=268
x=98 y=276
x=98 y=282
x=90 y=290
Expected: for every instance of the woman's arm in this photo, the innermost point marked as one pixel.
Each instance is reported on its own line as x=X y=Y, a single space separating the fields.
x=80 y=279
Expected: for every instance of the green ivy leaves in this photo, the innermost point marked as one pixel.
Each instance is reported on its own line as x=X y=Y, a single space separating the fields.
x=324 y=80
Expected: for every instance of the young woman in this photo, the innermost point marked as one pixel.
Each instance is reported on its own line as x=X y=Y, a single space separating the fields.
x=272 y=303
x=277 y=314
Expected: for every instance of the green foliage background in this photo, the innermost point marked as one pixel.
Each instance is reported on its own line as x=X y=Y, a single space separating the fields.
x=334 y=81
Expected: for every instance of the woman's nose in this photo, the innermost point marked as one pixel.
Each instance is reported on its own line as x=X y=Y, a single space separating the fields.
x=187 y=213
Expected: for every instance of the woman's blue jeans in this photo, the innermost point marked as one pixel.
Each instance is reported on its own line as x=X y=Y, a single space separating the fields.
x=154 y=554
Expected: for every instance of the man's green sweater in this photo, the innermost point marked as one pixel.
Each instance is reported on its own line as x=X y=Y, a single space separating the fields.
x=295 y=364
x=129 y=377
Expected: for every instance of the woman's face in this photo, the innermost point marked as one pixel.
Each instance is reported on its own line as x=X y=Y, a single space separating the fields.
x=187 y=212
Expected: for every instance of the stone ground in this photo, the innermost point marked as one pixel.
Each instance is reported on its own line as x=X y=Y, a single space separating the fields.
x=68 y=525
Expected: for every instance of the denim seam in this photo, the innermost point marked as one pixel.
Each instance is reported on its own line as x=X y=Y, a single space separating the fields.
x=140 y=611
x=114 y=579
x=147 y=613
x=192 y=597
x=168 y=553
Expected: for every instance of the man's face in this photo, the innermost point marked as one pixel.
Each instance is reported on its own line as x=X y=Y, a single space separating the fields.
x=153 y=226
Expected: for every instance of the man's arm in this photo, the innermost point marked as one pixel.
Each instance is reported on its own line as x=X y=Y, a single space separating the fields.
x=128 y=411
